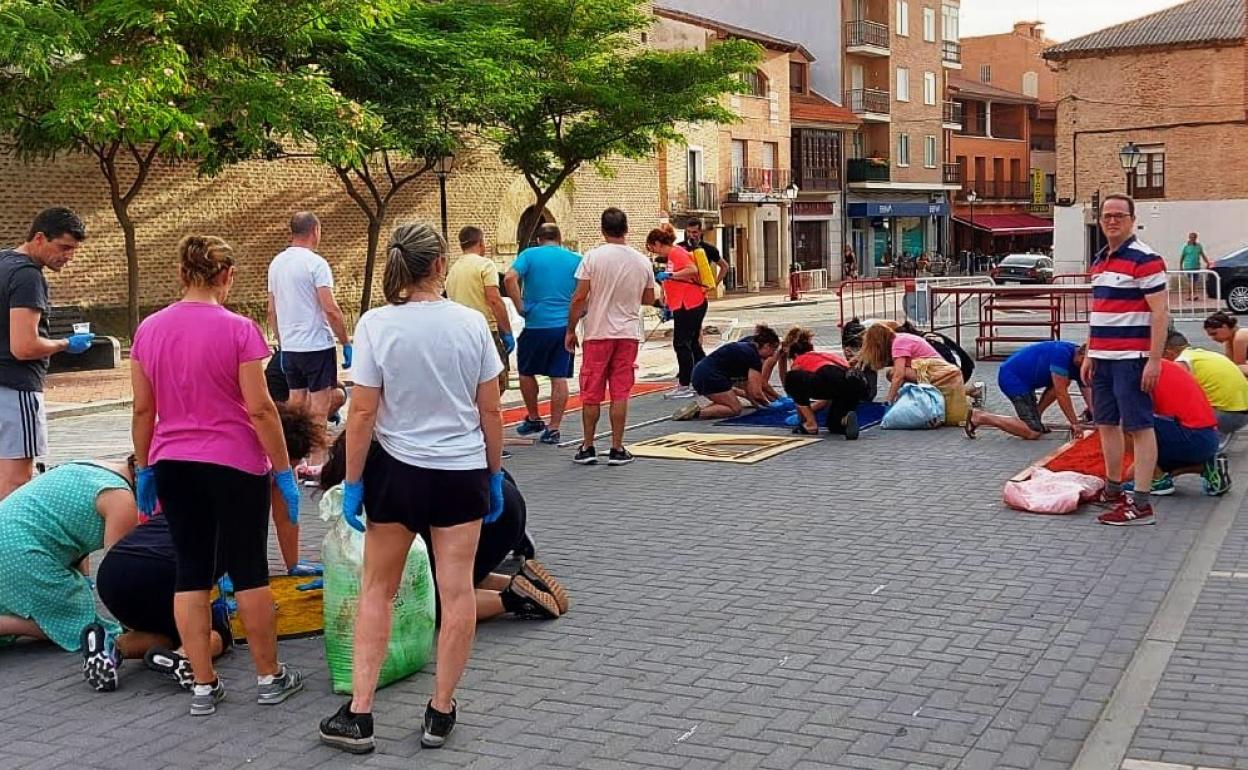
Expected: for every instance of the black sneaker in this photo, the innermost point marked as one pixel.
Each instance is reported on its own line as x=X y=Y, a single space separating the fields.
x=530 y=426
x=851 y=426
x=619 y=456
x=438 y=726
x=586 y=456
x=172 y=665
x=350 y=732
x=530 y=600
x=99 y=658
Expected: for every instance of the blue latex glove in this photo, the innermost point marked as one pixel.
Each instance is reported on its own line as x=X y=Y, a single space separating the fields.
x=289 y=489
x=509 y=341
x=793 y=420
x=496 y=497
x=663 y=276
x=783 y=403
x=347 y=351
x=352 y=502
x=312 y=585
x=80 y=343
x=145 y=490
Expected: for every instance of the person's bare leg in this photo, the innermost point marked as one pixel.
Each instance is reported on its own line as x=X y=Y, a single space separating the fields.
x=287 y=532
x=1113 y=447
x=259 y=616
x=619 y=421
x=13 y=474
x=385 y=553
x=11 y=625
x=1145 y=453
x=298 y=398
x=454 y=549
x=489 y=596
x=723 y=405
x=528 y=391
x=1011 y=425
x=318 y=407
x=134 y=644
x=194 y=619
x=558 y=402
x=807 y=415
x=589 y=422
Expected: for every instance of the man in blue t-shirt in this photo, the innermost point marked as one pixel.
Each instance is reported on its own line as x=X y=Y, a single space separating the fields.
x=1046 y=366
x=547 y=274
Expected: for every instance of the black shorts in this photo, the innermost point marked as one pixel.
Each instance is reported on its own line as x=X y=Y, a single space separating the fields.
x=1028 y=410
x=219 y=519
x=421 y=498
x=138 y=591
x=709 y=381
x=312 y=372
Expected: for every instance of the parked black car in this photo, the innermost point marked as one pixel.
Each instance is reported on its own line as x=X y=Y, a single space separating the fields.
x=1232 y=269
x=1023 y=268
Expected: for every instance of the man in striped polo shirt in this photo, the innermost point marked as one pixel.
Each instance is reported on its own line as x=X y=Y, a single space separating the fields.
x=1129 y=323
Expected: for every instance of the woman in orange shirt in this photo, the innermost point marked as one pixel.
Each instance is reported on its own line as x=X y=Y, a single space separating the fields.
x=686 y=298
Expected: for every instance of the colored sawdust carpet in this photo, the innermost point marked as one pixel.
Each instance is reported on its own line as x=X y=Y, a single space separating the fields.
x=516 y=414
x=718 y=447
x=299 y=613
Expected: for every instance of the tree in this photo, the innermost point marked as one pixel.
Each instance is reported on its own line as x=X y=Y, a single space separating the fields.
x=134 y=82
x=421 y=77
x=587 y=90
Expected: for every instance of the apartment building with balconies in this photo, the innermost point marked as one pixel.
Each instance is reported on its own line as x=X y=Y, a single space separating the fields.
x=897 y=59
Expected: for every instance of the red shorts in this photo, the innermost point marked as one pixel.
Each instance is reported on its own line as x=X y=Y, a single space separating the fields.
x=608 y=363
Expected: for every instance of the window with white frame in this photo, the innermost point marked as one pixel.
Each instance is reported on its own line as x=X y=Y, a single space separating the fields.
x=903 y=149
x=903 y=18
x=1031 y=84
x=929 y=88
x=949 y=19
x=929 y=25
x=903 y=84
x=857 y=145
x=985 y=73
x=929 y=152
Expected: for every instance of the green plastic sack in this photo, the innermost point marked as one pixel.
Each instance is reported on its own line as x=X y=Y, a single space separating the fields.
x=412 y=630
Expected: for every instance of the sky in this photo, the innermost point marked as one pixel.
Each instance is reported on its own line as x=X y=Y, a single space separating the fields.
x=1064 y=19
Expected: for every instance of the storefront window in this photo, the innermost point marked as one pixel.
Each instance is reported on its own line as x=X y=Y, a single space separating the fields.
x=879 y=246
x=913 y=235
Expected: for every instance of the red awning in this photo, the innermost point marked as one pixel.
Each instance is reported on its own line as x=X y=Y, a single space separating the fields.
x=1008 y=224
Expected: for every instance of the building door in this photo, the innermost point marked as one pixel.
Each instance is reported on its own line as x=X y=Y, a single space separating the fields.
x=856 y=77
x=771 y=253
x=812 y=245
x=741 y=259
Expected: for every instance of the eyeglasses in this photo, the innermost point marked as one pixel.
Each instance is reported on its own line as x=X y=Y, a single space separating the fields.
x=1114 y=216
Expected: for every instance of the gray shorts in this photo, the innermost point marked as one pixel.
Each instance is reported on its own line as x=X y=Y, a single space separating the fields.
x=1230 y=422
x=23 y=425
x=1028 y=410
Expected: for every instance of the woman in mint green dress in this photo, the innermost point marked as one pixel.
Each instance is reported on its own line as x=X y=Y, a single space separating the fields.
x=48 y=528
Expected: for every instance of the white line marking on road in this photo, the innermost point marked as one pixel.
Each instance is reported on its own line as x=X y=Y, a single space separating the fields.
x=688 y=734
x=879 y=588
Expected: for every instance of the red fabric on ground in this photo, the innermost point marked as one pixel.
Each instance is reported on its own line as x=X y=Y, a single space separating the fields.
x=1085 y=456
x=516 y=414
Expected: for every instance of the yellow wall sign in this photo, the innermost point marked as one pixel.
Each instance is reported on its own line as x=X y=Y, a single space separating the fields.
x=1037 y=186
x=717 y=447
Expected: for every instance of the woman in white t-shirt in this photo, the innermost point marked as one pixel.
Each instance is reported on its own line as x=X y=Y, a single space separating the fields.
x=424 y=454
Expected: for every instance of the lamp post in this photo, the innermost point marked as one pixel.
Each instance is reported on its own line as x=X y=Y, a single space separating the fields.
x=442 y=169
x=971 y=197
x=1129 y=157
x=790 y=194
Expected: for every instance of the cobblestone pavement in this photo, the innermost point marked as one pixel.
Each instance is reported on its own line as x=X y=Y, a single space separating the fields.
x=846 y=605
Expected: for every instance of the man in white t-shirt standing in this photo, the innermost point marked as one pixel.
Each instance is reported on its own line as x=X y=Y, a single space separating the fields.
x=306 y=317
x=613 y=282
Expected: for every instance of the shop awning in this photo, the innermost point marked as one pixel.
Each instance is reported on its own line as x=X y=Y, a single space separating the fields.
x=1008 y=224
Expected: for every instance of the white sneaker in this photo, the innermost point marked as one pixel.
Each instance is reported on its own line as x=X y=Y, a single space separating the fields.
x=681 y=391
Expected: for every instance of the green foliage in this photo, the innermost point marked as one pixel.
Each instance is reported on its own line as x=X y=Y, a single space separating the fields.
x=585 y=89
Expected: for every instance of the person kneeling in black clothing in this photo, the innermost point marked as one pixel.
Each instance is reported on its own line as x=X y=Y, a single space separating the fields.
x=529 y=592
x=817 y=381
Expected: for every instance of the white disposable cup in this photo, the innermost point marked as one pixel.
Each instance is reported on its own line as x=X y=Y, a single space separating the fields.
x=82 y=328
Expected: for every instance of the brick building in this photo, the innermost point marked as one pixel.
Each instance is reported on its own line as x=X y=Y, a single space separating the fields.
x=1006 y=104
x=897 y=56
x=1173 y=84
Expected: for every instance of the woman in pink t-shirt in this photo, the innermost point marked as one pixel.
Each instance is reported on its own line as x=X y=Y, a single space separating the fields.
x=912 y=359
x=206 y=437
x=686 y=298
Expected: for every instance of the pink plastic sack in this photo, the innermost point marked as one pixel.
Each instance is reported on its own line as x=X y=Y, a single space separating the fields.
x=1052 y=493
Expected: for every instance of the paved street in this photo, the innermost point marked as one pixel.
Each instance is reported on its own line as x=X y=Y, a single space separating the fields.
x=867 y=605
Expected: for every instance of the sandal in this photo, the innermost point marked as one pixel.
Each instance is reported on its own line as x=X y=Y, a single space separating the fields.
x=968 y=427
x=800 y=430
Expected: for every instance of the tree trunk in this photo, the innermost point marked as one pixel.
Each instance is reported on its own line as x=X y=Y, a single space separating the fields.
x=121 y=210
x=539 y=207
x=370 y=258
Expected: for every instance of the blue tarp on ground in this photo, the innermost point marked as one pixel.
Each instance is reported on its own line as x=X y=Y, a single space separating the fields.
x=869 y=415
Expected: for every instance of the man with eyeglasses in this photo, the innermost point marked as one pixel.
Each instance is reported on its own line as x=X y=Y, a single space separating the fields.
x=1126 y=339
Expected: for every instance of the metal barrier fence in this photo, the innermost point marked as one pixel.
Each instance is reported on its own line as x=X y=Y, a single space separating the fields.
x=812 y=281
x=1193 y=294
x=880 y=299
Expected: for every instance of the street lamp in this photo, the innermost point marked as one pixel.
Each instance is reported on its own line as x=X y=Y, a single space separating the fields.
x=971 y=197
x=1129 y=157
x=443 y=168
x=790 y=194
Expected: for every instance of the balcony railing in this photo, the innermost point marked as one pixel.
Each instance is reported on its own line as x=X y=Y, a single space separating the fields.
x=951 y=114
x=951 y=51
x=700 y=196
x=866 y=33
x=817 y=178
x=996 y=189
x=764 y=181
x=1044 y=144
x=867 y=170
x=951 y=173
x=867 y=100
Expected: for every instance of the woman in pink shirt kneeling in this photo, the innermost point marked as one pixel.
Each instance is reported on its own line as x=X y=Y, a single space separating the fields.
x=913 y=359
x=207 y=436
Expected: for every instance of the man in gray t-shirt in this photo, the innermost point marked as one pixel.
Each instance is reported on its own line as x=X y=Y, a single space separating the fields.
x=24 y=344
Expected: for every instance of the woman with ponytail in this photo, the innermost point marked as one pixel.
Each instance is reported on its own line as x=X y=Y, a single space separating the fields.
x=685 y=296
x=208 y=443
x=424 y=457
x=817 y=381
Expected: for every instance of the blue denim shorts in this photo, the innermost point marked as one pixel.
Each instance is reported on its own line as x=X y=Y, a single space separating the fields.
x=1116 y=395
x=1179 y=447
